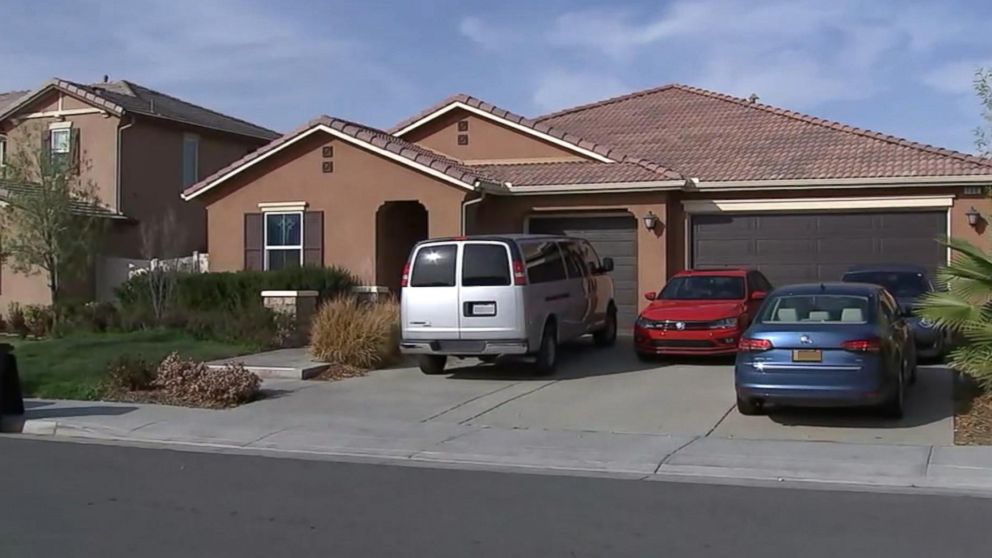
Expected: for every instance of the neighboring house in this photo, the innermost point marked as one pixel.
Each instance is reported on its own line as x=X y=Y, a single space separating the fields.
x=660 y=180
x=139 y=148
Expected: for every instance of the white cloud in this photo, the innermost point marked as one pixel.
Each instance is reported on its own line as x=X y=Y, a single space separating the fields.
x=955 y=77
x=559 y=89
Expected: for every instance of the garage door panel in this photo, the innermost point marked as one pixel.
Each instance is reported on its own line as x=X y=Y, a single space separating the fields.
x=613 y=237
x=817 y=246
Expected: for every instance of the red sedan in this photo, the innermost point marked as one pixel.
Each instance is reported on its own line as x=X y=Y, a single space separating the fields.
x=700 y=313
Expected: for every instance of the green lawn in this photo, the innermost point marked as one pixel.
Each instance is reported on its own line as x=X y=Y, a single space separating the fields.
x=73 y=367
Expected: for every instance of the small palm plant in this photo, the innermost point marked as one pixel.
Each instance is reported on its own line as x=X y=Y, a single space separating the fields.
x=965 y=308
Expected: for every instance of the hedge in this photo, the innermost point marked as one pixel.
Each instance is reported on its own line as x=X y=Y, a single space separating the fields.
x=237 y=290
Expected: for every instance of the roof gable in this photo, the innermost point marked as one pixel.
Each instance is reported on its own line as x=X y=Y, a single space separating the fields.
x=371 y=139
x=718 y=137
x=120 y=97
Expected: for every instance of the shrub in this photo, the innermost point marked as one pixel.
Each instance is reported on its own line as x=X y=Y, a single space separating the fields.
x=38 y=320
x=89 y=316
x=255 y=326
x=355 y=333
x=130 y=373
x=15 y=319
x=195 y=384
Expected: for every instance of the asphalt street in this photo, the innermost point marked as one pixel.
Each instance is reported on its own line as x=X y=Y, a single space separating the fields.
x=68 y=499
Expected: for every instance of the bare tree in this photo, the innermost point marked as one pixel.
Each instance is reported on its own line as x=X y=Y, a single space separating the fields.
x=160 y=237
x=983 y=134
x=52 y=218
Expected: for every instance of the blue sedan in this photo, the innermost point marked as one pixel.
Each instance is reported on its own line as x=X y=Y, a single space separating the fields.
x=826 y=344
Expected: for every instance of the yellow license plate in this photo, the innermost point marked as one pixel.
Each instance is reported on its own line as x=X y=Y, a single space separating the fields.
x=807 y=355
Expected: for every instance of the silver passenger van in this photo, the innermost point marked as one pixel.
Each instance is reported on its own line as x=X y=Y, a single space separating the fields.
x=485 y=296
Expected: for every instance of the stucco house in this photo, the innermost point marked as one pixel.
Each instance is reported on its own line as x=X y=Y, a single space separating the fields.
x=139 y=148
x=660 y=180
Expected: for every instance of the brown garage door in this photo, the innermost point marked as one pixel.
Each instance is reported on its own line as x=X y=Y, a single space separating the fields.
x=614 y=237
x=796 y=248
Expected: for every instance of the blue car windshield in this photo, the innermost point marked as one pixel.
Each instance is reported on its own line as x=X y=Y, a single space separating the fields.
x=703 y=287
x=819 y=308
x=902 y=284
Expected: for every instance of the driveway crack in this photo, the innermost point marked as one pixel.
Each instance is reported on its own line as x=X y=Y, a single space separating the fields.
x=671 y=454
x=514 y=398
x=719 y=422
x=469 y=400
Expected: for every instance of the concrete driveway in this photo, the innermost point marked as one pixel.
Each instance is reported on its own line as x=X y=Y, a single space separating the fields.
x=597 y=390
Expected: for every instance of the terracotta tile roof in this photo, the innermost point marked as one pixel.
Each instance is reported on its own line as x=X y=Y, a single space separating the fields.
x=717 y=137
x=556 y=132
x=574 y=172
x=8 y=98
x=119 y=97
x=10 y=188
x=375 y=137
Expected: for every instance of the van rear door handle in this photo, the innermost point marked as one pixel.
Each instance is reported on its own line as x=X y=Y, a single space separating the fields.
x=558 y=296
x=420 y=323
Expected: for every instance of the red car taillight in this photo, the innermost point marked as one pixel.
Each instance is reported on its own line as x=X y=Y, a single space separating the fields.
x=746 y=345
x=519 y=277
x=405 y=279
x=862 y=345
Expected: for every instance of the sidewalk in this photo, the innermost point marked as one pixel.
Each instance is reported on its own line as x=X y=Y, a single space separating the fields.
x=258 y=427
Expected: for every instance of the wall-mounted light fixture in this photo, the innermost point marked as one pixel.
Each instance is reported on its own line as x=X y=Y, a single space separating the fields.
x=973 y=216
x=650 y=221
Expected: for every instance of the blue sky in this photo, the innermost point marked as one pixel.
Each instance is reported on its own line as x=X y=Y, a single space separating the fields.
x=902 y=67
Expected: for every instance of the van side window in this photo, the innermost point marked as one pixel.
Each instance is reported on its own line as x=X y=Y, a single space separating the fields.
x=434 y=266
x=544 y=262
x=485 y=265
x=590 y=256
x=574 y=264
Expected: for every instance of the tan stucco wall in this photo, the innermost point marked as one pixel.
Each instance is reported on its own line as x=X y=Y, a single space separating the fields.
x=20 y=288
x=488 y=141
x=349 y=197
x=97 y=142
x=152 y=176
x=501 y=214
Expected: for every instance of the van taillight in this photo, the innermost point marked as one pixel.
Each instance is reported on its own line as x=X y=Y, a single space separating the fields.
x=862 y=345
x=519 y=277
x=746 y=345
x=405 y=279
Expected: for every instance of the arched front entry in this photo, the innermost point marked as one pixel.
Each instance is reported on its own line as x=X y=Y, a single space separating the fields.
x=398 y=226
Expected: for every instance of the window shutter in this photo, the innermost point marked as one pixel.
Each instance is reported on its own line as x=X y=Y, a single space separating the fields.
x=46 y=146
x=254 y=240
x=313 y=238
x=74 y=150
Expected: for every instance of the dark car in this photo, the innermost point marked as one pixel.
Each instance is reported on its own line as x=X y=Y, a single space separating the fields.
x=907 y=283
x=828 y=344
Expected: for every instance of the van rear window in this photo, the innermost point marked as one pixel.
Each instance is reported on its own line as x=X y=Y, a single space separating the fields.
x=485 y=265
x=434 y=266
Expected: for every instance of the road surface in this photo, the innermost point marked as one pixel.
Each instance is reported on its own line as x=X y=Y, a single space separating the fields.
x=68 y=500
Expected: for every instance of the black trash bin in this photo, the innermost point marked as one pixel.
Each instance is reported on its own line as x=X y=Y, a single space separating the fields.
x=11 y=399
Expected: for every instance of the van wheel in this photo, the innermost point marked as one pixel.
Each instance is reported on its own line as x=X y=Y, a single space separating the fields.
x=547 y=355
x=433 y=364
x=607 y=336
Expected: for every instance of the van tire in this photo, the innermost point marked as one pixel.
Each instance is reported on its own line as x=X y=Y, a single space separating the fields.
x=547 y=355
x=607 y=336
x=432 y=364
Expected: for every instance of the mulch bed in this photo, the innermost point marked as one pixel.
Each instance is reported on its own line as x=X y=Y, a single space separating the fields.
x=972 y=414
x=336 y=372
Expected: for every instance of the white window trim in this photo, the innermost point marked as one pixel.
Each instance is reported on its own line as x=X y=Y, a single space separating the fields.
x=3 y=150
x=59 y=125
x=67 y=130
x=265 y=237
x=194 y=138
x=282 y=207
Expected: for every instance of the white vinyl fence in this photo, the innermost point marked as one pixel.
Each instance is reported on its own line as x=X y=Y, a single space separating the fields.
x=111 y=272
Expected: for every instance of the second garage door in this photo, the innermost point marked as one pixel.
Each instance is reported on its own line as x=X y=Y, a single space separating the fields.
x=796 y=248
x=613 y=237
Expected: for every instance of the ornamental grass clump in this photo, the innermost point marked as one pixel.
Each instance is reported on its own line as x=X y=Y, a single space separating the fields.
x=356 y=333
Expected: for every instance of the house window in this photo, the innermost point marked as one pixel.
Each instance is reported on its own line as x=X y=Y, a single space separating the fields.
x=283 y=240
x=60 y=145
x=3 y=151
x=191 y=159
